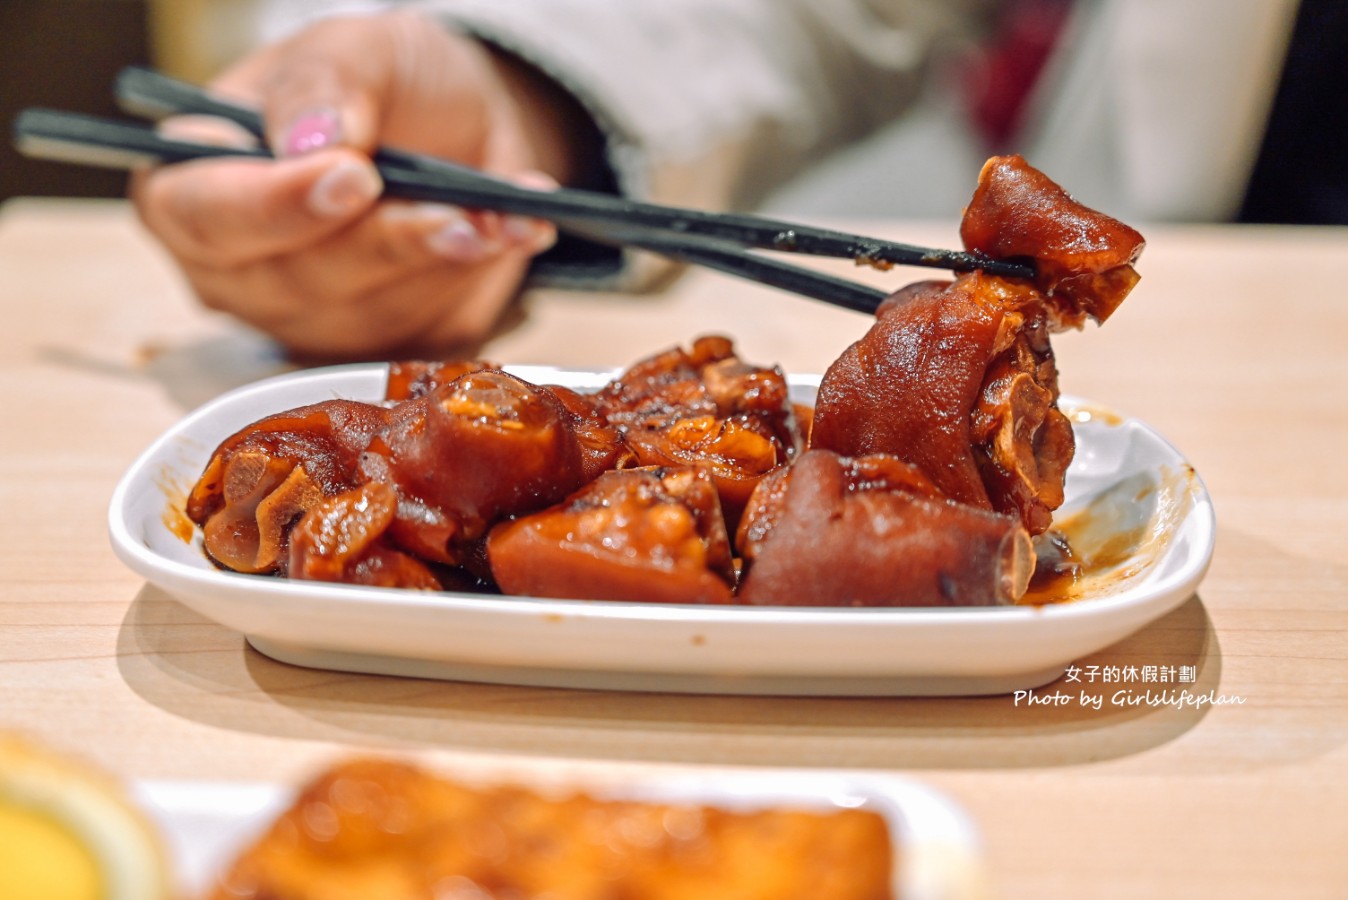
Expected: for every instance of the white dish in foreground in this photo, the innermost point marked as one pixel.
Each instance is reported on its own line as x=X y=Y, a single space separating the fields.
x=1125 y=479
x=206 y=824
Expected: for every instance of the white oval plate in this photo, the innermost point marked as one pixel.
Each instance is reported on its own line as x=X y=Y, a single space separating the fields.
x=667 y=647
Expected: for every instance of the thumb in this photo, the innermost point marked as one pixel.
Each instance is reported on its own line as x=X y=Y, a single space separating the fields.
x=316 y=106
x=316 y=90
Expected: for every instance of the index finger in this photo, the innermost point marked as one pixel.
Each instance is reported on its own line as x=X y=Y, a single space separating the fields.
x=228 y=212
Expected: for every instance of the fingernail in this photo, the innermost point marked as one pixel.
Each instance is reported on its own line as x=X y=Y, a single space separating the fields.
x=545 y=238
x=344 y=189
x=533 y=234
x=539 y=181
x=519 y=229
x=457 y=240
x=311 y=131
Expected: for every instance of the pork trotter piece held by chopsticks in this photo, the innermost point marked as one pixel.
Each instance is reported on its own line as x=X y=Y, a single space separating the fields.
x=958 y=378
x=1084 y=258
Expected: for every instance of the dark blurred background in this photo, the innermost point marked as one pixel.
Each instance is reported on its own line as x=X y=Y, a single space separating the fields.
x=64 y=54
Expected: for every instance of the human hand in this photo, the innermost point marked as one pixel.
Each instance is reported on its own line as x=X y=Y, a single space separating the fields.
x=302 y=247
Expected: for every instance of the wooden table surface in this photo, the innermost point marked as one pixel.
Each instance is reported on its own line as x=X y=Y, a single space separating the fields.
x=1233 y=346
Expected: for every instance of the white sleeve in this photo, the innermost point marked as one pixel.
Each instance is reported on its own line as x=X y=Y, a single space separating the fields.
x=1154 y=111
x=712 y=103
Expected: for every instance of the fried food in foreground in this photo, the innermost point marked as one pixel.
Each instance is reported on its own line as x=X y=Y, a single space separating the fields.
x=384 y=829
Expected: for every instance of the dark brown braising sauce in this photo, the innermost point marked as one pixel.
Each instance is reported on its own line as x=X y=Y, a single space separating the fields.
x=1112 y=540
x=174 y=516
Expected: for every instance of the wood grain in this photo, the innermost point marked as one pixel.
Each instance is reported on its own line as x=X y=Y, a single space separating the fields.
x=1232 y=346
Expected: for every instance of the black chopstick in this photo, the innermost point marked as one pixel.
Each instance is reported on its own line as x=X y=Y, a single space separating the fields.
x=97 y=141
x=146 y=92
x=152 y=95
x=711 y=254
x=92 y=140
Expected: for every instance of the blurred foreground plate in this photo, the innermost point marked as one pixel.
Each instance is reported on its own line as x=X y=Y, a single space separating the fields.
x=207 y=824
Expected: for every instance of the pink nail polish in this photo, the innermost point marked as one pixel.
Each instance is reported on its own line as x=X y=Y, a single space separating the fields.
x=311 y=131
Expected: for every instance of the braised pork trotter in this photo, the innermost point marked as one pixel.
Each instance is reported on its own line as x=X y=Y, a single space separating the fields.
x=265 y=476
x=647 y=534
x=874 y=531
x=958 y=377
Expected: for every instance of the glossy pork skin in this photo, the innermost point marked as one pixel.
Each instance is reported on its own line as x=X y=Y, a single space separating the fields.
x=707 y=407
x=264 y=476
x=1084 y=258
x=452 y=460
x=471 y=453
x=344 y=538
x=412 y=378
x=959 y=377
x=874 y=531
x=959 y=380
x=646 y=534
